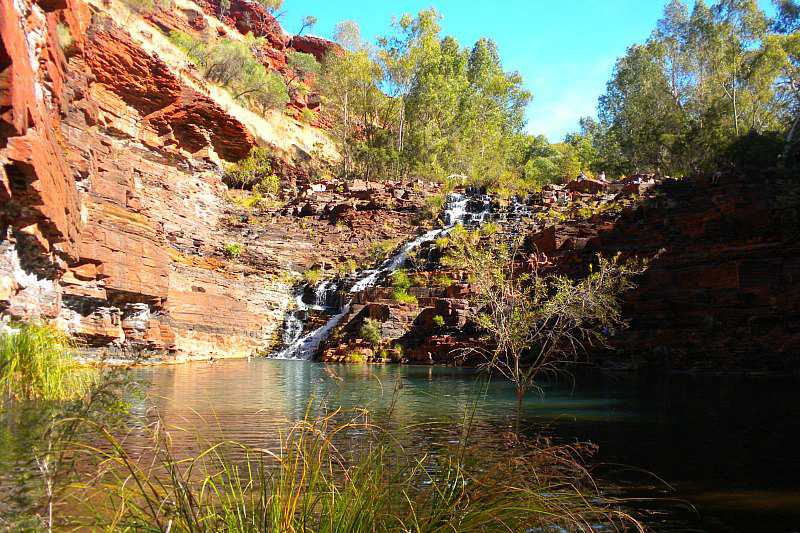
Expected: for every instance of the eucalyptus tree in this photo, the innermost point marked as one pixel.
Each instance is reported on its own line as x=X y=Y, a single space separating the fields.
x=412 y=49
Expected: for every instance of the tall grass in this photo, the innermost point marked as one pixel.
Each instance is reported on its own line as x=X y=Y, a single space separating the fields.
x=36 y=363
x=342 y=473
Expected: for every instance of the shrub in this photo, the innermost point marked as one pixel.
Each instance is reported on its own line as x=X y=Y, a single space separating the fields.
x=313 y=276
x=234 y=65
x=195 y=49
x=233 y=250
x=302 y=64
x=36 y=363
x=65 y=40
x=438 y=321
x=308 y=116
x=251 y=170
x=401 y=296
x=400 y=280
x=442 y=280
x=441 y=243
x=371 y=331
x=268 y=185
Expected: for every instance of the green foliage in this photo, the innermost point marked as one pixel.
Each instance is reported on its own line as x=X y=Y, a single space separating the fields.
x=448 y=110
x=308 y=116
x=703 y=80
x=346 y=267
x=356 y=357
x=371 y=331
x=433 y=206
x=438 y=321
x=268 y=185
x=442 y=280
x=534 y=323
x=302 y=64
x=234 y=65
x=65 y=39
x=381 y=250
x=400 y=279
x=233 y=250
x=313 y=276
x=310 y=483
x=400 y=285
x=251 y=171
x=36 y=363
x=402 y=297
x=195 y=49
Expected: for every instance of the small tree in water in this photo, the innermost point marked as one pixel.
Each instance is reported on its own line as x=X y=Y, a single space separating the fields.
x=535 y=323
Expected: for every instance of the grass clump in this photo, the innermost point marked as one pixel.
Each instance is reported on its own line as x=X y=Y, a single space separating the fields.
x=36 y=364
x=65 y=39
x=383 y=249
x=371 y=332
x=442 y=280
x=309 y=483
x=400 y=285
x=313 y=276
x=233 y=250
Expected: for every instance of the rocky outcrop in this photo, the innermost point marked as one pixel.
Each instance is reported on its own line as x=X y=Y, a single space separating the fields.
x=113 y=207
x=724 y=292
x=39 y=204
x=316 y=46
x=116 y=223
x=248 y=16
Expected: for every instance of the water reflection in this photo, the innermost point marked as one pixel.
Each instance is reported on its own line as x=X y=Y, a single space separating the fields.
x=724 y=444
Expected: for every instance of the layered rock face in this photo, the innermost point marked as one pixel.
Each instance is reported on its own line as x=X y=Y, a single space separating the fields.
x=112 y=203
x=115 y=221
x=724 y=291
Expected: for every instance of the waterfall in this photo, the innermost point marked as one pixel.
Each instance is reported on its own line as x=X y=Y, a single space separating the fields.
x=460 y=208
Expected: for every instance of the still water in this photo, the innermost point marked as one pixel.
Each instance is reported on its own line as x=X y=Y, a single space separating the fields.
x=722 y=450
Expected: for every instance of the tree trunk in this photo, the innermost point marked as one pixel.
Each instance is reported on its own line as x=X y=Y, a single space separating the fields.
x=344 y=133
x=735 y=108
x=790 y=138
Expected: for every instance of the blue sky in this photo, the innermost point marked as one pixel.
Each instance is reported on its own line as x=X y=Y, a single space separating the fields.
x=565 y=49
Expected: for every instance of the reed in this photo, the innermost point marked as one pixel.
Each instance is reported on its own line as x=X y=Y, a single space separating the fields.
x=342 y=473
x=36 y=363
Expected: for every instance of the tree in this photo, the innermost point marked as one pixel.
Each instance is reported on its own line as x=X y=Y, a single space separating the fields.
x=232 y=64
x=679 y=102
x=534 y=324
x=406 y=54
x=302 y=65
x=271 y=5
x=348 y=35
x=350 y=84
x=307 y=23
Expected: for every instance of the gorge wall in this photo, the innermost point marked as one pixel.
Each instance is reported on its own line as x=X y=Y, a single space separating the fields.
x=113 y=215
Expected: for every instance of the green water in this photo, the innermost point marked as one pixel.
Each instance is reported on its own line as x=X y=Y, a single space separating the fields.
x=724 y=448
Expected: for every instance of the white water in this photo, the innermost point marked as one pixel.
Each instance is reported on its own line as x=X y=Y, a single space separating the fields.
x=297 y=346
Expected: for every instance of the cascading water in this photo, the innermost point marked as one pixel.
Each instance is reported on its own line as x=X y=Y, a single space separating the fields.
x=460 y=208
